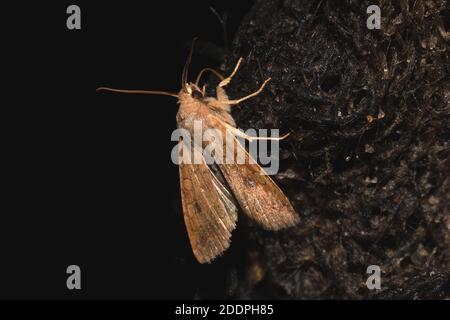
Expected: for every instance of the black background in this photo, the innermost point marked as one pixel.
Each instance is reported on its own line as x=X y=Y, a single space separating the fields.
x=92 y=180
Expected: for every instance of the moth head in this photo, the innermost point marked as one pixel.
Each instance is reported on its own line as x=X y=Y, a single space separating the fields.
x=194 y=91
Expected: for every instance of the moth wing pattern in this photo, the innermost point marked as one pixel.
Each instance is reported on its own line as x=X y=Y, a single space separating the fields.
x=210 y=212
x=257 y=194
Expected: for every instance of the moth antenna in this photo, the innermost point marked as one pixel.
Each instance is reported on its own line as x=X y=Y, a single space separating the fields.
x=162 y=93
x=223 y=23
x=184 y=76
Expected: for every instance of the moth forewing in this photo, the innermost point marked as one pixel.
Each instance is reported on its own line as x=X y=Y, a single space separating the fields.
x=257 y=194
x=209 y=210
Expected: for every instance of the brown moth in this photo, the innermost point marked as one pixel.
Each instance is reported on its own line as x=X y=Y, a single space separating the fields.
x=212 y=194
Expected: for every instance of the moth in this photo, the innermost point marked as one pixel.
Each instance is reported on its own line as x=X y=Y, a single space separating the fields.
x=212 y=194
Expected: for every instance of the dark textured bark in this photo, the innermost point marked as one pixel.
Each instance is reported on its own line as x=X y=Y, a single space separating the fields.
x=367 y=162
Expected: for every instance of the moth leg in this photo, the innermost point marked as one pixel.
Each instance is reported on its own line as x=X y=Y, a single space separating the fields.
x=227 y=80
x=230 y=102
x=217 y=74
x=238 y=133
